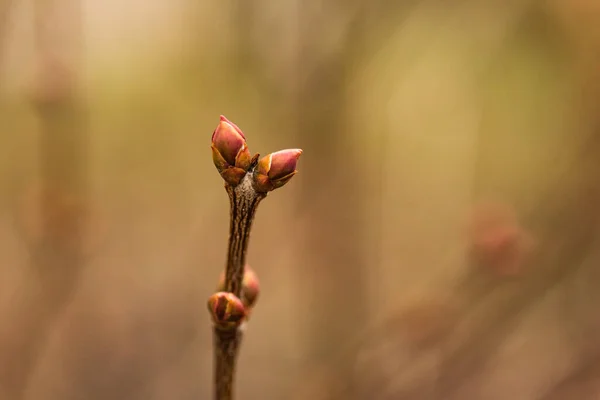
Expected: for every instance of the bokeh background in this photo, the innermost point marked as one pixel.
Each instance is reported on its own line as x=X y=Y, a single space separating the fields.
x=439 y=241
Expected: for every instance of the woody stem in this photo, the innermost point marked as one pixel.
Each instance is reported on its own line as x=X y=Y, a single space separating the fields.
x=244 y=201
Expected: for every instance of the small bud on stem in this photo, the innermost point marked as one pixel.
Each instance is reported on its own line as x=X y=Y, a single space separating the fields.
x=276 y=169
x=227 y=311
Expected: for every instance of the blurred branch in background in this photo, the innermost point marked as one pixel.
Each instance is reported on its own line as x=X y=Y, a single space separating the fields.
x=561 y=210
x=54 y=238
x=332 y=204
x=517 y=143
x=581 y=383
x=5 y=12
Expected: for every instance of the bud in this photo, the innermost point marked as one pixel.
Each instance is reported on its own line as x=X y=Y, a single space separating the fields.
x=498 y=241
x=230 y=152
x=250 y=287
x=276 y=169
x=226 y=309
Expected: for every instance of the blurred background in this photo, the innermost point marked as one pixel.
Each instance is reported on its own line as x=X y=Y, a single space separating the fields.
x=440 y=237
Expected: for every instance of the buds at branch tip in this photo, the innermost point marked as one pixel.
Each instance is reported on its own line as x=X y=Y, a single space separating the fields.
x=276 y=169
x=226 y=310
x=230 y=152
x=250 y=287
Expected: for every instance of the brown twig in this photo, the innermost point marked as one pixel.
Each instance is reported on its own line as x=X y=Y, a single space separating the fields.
x=247 y=181
x=244 y=201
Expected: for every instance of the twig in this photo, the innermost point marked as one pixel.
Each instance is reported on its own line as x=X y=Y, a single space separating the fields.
x=247 y=181
x=244 y=202
x=583 y=378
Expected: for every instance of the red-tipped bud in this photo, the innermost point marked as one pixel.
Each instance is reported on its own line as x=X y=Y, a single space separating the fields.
x=498 y=240
x=250 y=287
x=230 y=152
x=226 y=309
x=276 y=169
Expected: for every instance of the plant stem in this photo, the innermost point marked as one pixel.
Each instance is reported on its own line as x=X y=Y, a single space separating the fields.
x=244 y=200
x=227 y=343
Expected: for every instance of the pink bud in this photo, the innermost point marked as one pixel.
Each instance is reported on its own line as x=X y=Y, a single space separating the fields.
x=228 y=140
x=230 y=151
x=498 y=241
x=250 y=287
x=226 y=309
x=276 y=169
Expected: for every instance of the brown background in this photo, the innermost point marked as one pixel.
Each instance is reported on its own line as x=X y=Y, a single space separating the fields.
x=381 y=274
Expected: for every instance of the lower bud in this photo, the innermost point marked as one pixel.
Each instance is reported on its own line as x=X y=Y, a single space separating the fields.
x=226 y=309
x=250 y=287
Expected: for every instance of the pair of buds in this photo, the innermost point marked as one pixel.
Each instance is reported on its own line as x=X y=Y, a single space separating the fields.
x=232 y=158
x=226 y=309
